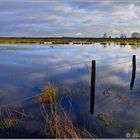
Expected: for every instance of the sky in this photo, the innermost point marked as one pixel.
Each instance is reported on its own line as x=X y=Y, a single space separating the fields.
x=68 y=18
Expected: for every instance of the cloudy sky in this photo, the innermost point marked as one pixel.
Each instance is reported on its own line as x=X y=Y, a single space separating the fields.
x=78 y=18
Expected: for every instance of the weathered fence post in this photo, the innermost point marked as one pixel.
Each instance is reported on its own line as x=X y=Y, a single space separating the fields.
x=133 y=72
x=92 y=90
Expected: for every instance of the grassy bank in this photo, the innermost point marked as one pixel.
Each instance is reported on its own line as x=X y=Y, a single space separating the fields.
x=65 y=40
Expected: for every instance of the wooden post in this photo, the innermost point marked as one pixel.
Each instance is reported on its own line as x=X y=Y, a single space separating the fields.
x=92 y=90
x=133 y=72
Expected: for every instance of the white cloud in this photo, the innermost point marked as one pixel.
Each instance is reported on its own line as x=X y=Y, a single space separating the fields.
x=126 y=13
x=79 y=34
x=55 y=18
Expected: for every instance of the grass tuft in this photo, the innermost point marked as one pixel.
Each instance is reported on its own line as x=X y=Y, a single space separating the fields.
x=48 y=95
x=10 y=118
x=58 y=122
x=9 y=123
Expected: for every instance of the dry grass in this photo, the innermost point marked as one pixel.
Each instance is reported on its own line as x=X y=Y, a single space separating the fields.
x=65 y=91
x=9 y=122
x=122 y=99
x=125 y=100
x=48 y=95
x=107 y=120
x=11 y=118
x=58 y=123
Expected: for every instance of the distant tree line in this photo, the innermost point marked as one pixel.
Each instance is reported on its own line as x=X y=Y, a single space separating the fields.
x=135 y=35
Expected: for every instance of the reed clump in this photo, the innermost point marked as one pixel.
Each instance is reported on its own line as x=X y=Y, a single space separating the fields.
x=107 y=120
x=58 y=122
x=9 y=123
x=11 y=118
x=49 y=95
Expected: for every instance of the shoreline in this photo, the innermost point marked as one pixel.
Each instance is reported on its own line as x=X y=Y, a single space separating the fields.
x=53 y=41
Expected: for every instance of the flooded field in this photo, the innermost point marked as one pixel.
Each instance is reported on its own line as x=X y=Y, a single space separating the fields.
x=64 y=71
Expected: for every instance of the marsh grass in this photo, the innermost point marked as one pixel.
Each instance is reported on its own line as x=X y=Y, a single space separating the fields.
x=105 y=118
x=69 y=40
x=123 y=99
x=58 y=122
x=48 y=95
x=65 y=91
x=11 y=118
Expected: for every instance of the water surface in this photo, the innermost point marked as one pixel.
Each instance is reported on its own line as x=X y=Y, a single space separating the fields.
x=25 y=69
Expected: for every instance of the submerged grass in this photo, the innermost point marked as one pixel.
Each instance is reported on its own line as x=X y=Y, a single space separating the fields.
x=11 y=118
x=107 y=120
x=9 y=122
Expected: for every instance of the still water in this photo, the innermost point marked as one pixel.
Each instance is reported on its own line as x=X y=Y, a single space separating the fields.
x=25 y=69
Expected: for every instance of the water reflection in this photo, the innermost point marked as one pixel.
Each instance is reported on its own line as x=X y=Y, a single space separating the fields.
x=133 y=46
x=24 y=72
